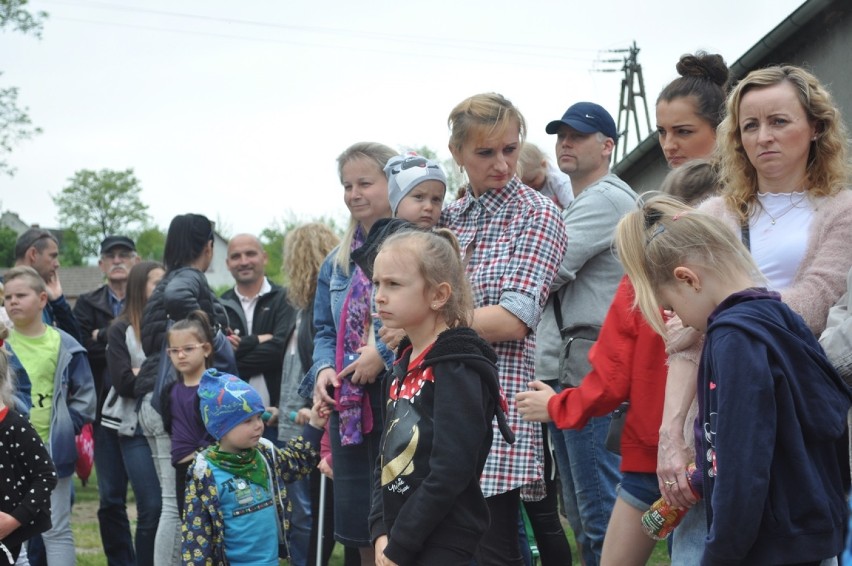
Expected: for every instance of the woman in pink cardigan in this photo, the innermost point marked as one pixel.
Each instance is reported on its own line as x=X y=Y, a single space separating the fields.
x=782 y=149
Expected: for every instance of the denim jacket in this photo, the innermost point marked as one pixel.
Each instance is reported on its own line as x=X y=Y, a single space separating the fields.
x=74 y=401
x=332 y=288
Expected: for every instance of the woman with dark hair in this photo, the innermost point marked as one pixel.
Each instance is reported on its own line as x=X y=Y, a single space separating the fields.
x=183 y=289
x=124 y=357
x=690 y=108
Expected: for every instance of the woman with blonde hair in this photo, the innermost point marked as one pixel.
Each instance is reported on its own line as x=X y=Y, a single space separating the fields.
x=784 y=168
x=305 y=248
x=348 y=358
x=512 y=240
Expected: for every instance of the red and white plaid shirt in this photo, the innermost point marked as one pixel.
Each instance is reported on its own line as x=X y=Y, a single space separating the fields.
x=512 y=240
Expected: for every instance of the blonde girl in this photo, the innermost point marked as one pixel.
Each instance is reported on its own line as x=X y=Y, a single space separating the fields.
x=772 y=410
x=428 y=508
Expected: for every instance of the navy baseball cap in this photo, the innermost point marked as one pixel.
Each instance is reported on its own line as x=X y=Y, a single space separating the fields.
x=588 y=118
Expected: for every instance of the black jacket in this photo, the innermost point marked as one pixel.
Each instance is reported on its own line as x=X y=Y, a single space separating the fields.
x=437 y=436
x=93 y=311
x=24 y=459
x=180 y=292
x=274 y=315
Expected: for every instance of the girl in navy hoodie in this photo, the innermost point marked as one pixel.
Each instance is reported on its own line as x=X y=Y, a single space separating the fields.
x=772 y=409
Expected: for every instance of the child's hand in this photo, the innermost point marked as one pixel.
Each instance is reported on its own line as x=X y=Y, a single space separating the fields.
x=273 y=416
x=7 y=525
x=319 y=415
x=381 y=559
x=325 y=468
x=532 y=405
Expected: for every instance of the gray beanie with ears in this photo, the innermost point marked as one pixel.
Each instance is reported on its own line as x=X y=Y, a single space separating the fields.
x=404 y=172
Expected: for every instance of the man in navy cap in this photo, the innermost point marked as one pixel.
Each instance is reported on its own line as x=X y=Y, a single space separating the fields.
x=95 y=311
x=583 y=289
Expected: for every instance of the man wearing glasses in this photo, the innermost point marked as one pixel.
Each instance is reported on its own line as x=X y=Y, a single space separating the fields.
x=39 y=249
x=95 y=311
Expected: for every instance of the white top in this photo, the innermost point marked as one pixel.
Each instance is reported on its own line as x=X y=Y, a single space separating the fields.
x=249 y=304
x=557 y=186
x=779 y=235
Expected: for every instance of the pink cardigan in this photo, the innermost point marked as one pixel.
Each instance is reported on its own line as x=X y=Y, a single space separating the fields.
x=820 y=279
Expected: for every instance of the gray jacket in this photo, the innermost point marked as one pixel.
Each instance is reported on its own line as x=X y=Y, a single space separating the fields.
x=590 y=272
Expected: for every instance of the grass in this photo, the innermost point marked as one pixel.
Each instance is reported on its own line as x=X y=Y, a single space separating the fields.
x=84 y=522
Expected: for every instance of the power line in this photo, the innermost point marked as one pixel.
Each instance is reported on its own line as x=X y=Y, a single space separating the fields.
x=452 y=57
x=505 y=47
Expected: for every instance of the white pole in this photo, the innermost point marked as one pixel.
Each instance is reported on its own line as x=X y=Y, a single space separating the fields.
x=321 y=518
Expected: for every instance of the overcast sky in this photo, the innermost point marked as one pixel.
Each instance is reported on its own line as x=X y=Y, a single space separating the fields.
x=237 y=110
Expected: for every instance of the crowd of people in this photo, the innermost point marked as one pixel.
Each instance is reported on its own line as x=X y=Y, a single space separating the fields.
x=548 y=344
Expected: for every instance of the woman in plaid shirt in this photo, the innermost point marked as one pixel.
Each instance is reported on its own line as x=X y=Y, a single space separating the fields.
x=512 y=241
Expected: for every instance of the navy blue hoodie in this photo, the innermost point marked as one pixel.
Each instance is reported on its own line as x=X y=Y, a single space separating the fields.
x=773 y=411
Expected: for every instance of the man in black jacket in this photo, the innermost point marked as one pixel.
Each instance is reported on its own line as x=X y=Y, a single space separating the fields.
x=261 y=319
x=95 y=311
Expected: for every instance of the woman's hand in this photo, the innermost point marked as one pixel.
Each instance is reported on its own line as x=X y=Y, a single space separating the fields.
x=672 y=459
x=391 y=336
x=325 y=378
x=366 y=368
x=532 y=405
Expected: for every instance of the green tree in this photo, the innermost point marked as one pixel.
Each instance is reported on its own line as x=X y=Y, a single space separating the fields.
x=96 y=204
x=70 y=251
x=150 y=244
x=8 y=237
x=13 y=14
x=15 y=123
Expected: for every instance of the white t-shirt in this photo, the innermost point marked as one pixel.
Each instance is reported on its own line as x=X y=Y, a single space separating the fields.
x=779 y=235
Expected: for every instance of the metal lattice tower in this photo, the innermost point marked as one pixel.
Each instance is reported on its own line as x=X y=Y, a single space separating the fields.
x=632 y=87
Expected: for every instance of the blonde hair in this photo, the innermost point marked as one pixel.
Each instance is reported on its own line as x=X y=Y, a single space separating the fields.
x=379 y=154
x=439 y=261
x=529 y=159
x=664 y=234
x=488 y=114
x=7 y=376
x=692 y=182
x=827 y=168
x=305 y=248
x=29 y=275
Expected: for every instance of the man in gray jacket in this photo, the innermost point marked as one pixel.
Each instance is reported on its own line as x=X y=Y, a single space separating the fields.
x=583 y=290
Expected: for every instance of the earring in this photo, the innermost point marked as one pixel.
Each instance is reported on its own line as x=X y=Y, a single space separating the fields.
x=813 y=138
x=434 y=306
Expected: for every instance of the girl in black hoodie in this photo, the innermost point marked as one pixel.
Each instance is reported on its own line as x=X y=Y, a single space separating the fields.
x=427 y=505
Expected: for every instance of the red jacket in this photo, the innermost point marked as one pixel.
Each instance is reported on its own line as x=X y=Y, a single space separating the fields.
x=628 y=364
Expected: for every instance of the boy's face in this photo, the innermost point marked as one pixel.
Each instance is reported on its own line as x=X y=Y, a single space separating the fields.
x=22 y=303
x=243 y=436
x=422 y=206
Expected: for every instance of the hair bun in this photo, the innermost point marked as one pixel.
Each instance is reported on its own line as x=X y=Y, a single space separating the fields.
x=710 y=66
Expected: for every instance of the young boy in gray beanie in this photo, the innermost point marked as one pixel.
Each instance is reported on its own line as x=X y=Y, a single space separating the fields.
x=416 y=189
x=235 y=492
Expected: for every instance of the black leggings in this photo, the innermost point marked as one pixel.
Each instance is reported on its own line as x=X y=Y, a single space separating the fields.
x=553 y=546
x=180 y=485
x=499 y=546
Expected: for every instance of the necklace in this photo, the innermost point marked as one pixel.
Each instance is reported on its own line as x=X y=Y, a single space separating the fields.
x=774 y=219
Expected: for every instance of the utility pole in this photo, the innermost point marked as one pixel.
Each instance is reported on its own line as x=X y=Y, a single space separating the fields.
x=632 y=87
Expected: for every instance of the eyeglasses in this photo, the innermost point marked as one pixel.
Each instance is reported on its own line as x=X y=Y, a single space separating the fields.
x=185 y=350
x=120 y=255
